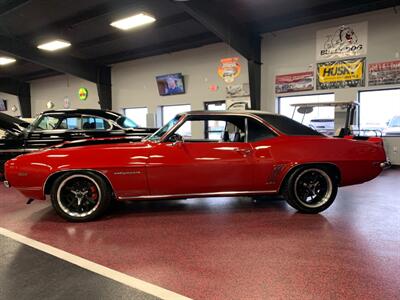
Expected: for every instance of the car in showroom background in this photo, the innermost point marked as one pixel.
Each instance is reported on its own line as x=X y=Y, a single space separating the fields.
x=256 y=153
x=56 y=126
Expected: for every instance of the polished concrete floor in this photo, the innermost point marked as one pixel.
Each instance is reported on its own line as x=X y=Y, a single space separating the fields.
x=234 y=248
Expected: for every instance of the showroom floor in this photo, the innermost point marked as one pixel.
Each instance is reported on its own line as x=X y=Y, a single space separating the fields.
x=225 y=248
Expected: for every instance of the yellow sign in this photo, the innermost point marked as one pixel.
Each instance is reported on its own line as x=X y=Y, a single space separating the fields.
x=342 y=71
x=341 y=74
x=83 y=94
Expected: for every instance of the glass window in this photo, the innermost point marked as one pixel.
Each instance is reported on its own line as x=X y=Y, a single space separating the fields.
x=380 y=111
x=232 y=129
x=125 y=122
x=70 y=124
x=258 y=131
x=47 y=123
x=287 y=126
x=139 y=114
x=214 y=129
x=320 y=118
x=170 y=111
x=156 y=136
x=93 y=123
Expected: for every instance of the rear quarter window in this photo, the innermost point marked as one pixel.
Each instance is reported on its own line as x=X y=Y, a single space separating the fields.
x=288 y=126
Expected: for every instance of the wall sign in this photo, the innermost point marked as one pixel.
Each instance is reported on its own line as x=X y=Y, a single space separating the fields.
x=229 y=69
x=295 y=82
x=344 y=41
x=341 y=74
x=384 y=73
x=83 y=94
x=67 y=102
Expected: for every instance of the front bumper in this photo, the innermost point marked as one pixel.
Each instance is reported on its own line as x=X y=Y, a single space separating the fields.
x=6 y=184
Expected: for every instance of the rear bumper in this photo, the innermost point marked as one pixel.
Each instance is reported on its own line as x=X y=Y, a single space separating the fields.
x=385 y=165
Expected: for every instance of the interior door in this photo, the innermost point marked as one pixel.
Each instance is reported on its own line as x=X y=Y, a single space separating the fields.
x=200 y=167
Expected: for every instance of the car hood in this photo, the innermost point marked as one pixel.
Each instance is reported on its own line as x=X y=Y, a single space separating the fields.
x=11 y=124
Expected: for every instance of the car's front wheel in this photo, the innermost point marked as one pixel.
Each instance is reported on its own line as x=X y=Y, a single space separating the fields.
x=310 y=190
x=80 y=197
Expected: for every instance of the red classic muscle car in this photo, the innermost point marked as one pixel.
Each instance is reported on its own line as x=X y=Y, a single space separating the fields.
x=198 y=154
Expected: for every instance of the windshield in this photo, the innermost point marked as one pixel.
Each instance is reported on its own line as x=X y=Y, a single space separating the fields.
x=395 y=122
x=156 y=136
x=125 y=122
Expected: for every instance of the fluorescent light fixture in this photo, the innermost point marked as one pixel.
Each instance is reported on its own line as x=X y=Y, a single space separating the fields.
x=54 y=45
x=6 y=60
x=133 y=21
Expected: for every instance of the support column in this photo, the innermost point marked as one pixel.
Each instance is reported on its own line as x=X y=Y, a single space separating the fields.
x=104 y=87
x=254 y=67
x=24 y=96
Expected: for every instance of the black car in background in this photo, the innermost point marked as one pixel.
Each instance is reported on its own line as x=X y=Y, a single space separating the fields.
x=57 y=126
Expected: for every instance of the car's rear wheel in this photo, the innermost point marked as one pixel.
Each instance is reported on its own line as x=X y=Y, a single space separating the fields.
x=80 y=196
x=310 y=190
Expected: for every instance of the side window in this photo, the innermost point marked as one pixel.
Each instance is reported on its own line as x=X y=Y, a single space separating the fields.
x=72 y=123
x=257 y=131
x=220 y=129
x=47 y=123
x=93 y=123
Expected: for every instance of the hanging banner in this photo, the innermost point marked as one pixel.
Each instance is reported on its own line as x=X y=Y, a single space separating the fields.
x=384 y=73
x=344 y=41
x=229 y=69
x=341 y=74
x=295 y=82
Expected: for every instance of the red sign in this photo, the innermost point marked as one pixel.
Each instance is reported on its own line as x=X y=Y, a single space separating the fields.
x=295 y=82
x=384 y=73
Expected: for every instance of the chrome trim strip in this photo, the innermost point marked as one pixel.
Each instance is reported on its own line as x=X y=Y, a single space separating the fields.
x=18 y=150
x=198 y=195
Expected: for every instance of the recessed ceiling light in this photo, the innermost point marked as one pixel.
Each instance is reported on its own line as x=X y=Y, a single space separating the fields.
x=6 y=60
x=133 y=21
x=54 y=45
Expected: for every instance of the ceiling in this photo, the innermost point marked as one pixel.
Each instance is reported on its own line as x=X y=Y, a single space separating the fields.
x=86 y=25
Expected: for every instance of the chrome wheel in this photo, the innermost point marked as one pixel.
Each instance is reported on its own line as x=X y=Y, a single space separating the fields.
x=79 y=195
x=313 y=188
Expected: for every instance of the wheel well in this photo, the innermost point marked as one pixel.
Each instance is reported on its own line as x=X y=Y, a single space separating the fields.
x=332 y=170
x=52 y=178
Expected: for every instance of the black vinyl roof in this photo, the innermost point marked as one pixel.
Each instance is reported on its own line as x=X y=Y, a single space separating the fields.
x=85 y=111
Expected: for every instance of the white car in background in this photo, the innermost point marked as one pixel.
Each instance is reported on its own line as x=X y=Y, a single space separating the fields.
x=324 y=126
x=393 y=127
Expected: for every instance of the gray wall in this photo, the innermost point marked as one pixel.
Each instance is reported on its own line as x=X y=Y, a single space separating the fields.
x=56 y=88
x=134 y=83
x=11 y=100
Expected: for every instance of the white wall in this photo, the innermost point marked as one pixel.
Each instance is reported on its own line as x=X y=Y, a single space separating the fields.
x=11 y=101
x=293 y=50
x=56 y=88
x=134 y=83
